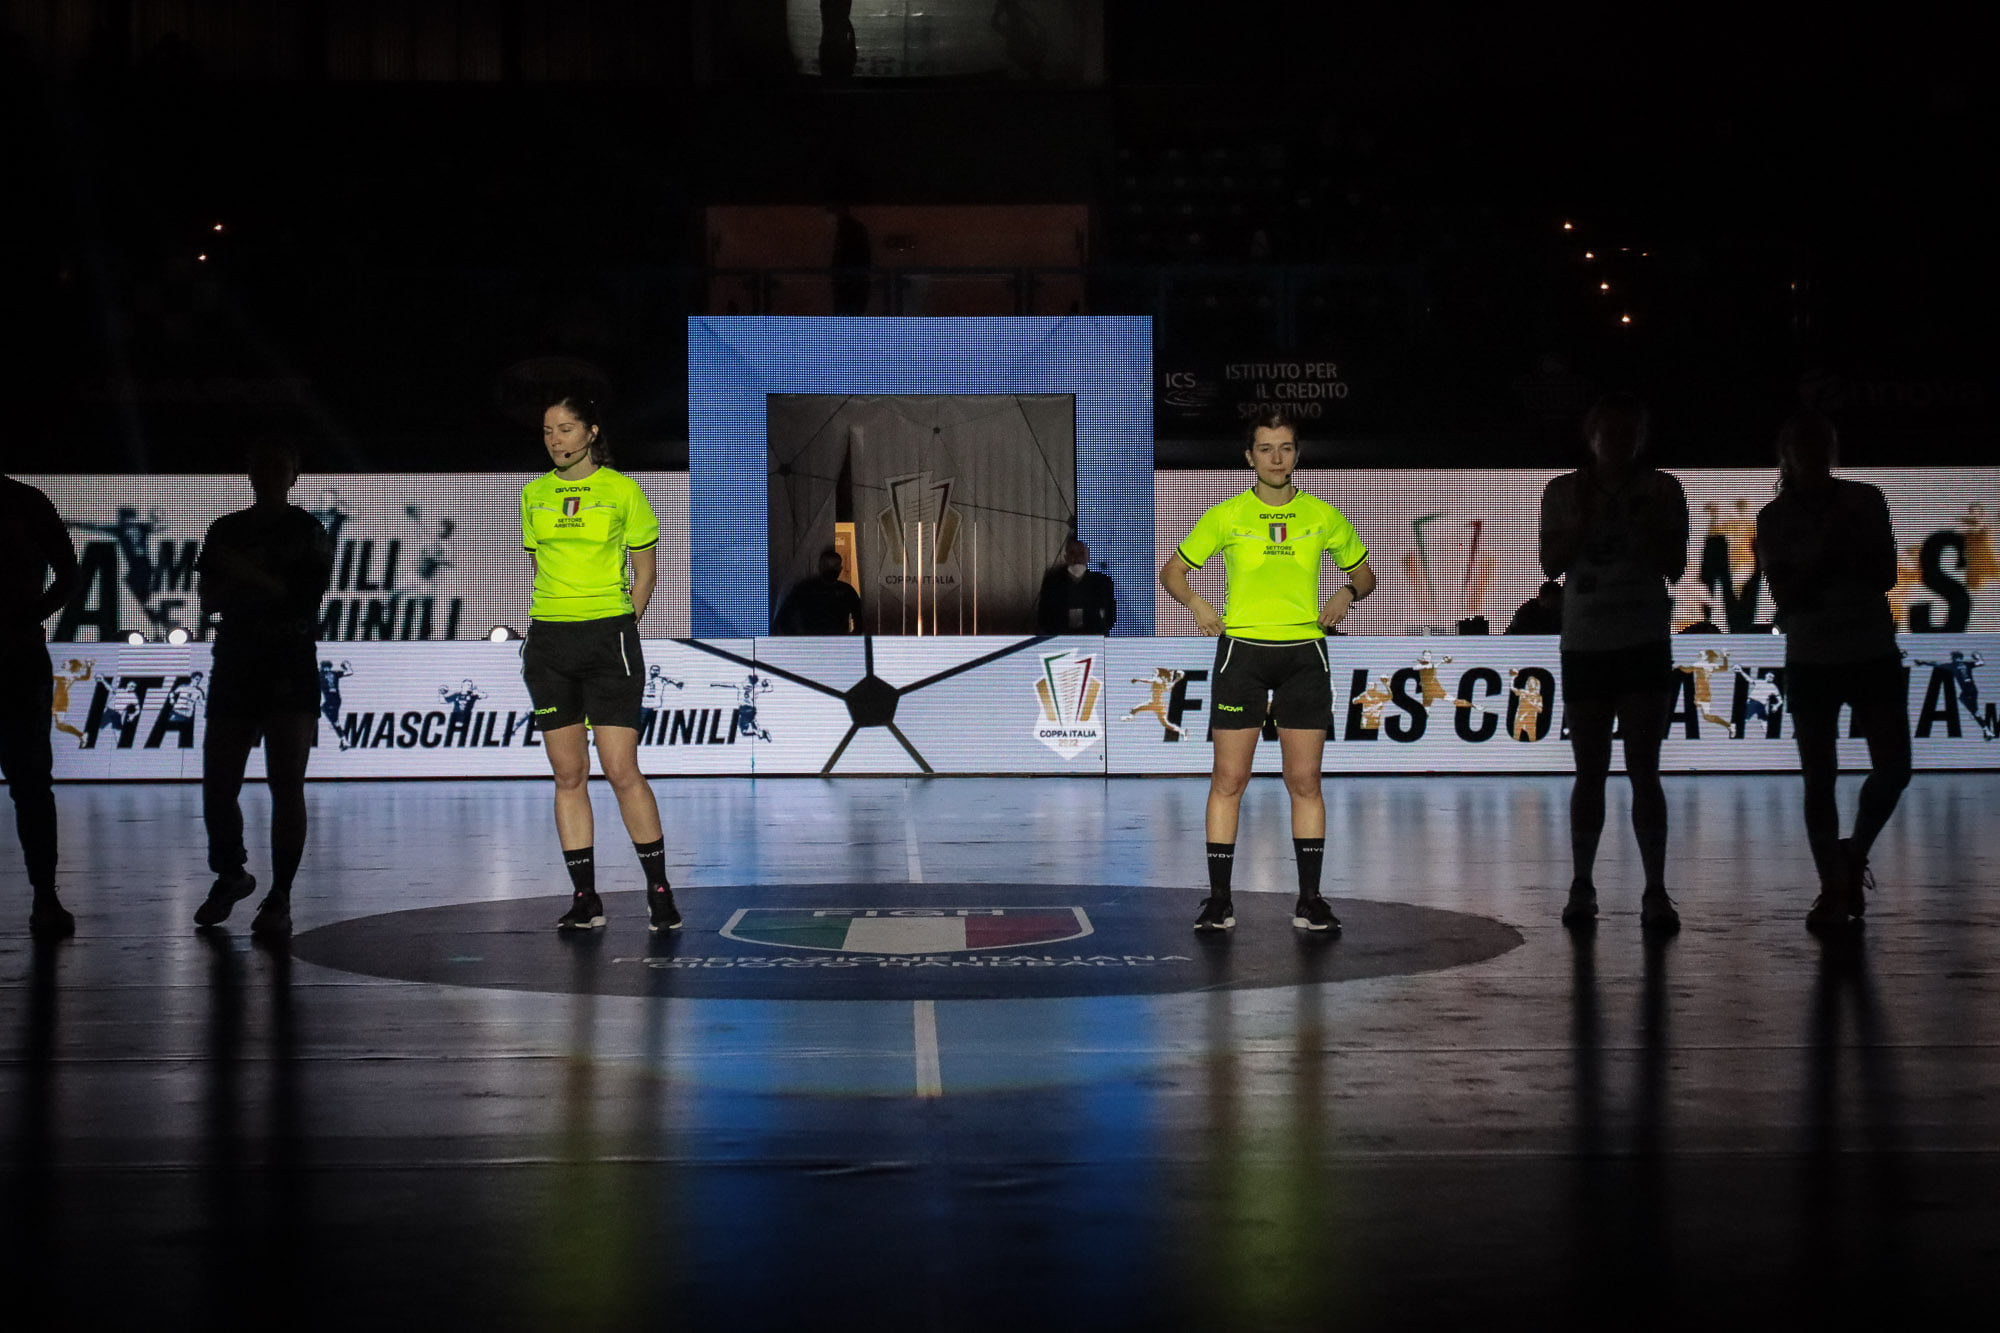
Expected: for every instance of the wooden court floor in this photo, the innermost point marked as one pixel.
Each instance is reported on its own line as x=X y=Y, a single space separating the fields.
x=463 y=1121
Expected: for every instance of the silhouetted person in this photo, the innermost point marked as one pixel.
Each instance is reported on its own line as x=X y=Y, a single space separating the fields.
x=263 y=571
x=1619 y=531
x=34 y=545
x=852 y=257
x=1075 y=598
x=822 y=604
x=1540 y=614
x=1829 y=558
x=838 y=53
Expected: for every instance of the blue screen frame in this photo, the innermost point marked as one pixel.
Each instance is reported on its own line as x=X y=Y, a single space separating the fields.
x=1106 y=361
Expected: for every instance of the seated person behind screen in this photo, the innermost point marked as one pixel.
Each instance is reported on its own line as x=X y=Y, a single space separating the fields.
x=822 y=604
x=1076 y=599
x=1540 y=614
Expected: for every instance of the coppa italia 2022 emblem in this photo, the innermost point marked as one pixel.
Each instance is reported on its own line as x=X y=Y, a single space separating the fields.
x=906 y=930
x=1069 y=689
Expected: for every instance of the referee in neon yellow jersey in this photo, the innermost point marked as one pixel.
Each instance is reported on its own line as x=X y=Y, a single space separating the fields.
x=1270 y=653
x=582 y=662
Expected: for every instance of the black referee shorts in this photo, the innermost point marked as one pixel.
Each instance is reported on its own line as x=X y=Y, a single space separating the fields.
x=1615 y=673
x=584 y=671
x=1293 y=677
x=263 y=676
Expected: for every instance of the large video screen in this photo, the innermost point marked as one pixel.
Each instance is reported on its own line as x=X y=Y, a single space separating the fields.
x=1448 y=545
x=1093 y=372
x=860 y=706
x=417 y=557
x=952 y=507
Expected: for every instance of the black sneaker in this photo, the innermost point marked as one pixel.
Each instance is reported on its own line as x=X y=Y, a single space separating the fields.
x=274 y=918
x=586 y=912
x=1313 y=913
x=1581 y=909
x=1656 y=913
x=660 y=909
x=1829 y=913
x=1216 y=914
x=1860 y=879
x=225 y=893
x=49 y=919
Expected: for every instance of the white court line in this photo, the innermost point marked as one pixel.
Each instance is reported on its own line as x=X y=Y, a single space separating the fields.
x=930 y=1073
x=910 y=845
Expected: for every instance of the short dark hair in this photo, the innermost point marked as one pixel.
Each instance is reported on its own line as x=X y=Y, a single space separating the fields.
x=1806 y=430
x=1269 y=418
x=1620 y=408
x=1550 y=586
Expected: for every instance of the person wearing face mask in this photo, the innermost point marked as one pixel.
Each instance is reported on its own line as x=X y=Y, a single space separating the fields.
x=1829 y=558
x=823 y=604
x=582 y=663
x=1616 y=532
x=1075 y=598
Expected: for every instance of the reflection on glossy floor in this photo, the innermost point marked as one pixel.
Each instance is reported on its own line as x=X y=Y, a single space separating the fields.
x=1742 y=1125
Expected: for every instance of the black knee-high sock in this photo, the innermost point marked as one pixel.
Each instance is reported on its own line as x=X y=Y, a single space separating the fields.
x=1221 y=861
x=581 y=862
x=653 y=861
x=1312 y=855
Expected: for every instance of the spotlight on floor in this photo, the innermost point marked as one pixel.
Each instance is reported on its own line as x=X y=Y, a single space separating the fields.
x=500 y=634
x=177 y=636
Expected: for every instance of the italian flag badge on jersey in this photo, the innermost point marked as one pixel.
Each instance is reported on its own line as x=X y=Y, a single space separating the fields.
x=1278 y=531
x=572 y=506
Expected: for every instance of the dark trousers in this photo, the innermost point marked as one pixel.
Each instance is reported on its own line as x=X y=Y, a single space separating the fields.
x=27 y=689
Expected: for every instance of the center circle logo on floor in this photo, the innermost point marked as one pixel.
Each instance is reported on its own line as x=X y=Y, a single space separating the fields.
x=902 y=942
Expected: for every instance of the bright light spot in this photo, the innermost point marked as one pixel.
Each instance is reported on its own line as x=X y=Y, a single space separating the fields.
x=1568 y=227
x=177 y=635
x=1603 y=286
x=201 y=259
x=135 y=638
x=499 y=634
x=1624 y=319
x=1588 y=255
x=218 y=226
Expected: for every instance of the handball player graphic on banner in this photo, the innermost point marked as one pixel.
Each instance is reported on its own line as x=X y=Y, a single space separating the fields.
x=956 y=505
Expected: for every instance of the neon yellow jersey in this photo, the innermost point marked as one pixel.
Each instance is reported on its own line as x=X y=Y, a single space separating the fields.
x=579 y=532
x=1271 y=556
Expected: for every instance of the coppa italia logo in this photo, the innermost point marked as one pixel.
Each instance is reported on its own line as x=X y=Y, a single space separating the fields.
x=906 y=930
x=1069 y=690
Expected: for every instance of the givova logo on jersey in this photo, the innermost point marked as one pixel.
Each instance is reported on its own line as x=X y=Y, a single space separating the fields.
x=1069 y=691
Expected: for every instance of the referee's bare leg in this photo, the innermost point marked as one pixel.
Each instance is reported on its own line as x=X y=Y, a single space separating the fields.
x=618 y=751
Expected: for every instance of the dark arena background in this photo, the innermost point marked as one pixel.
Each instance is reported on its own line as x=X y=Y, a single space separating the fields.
x=940 y=285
